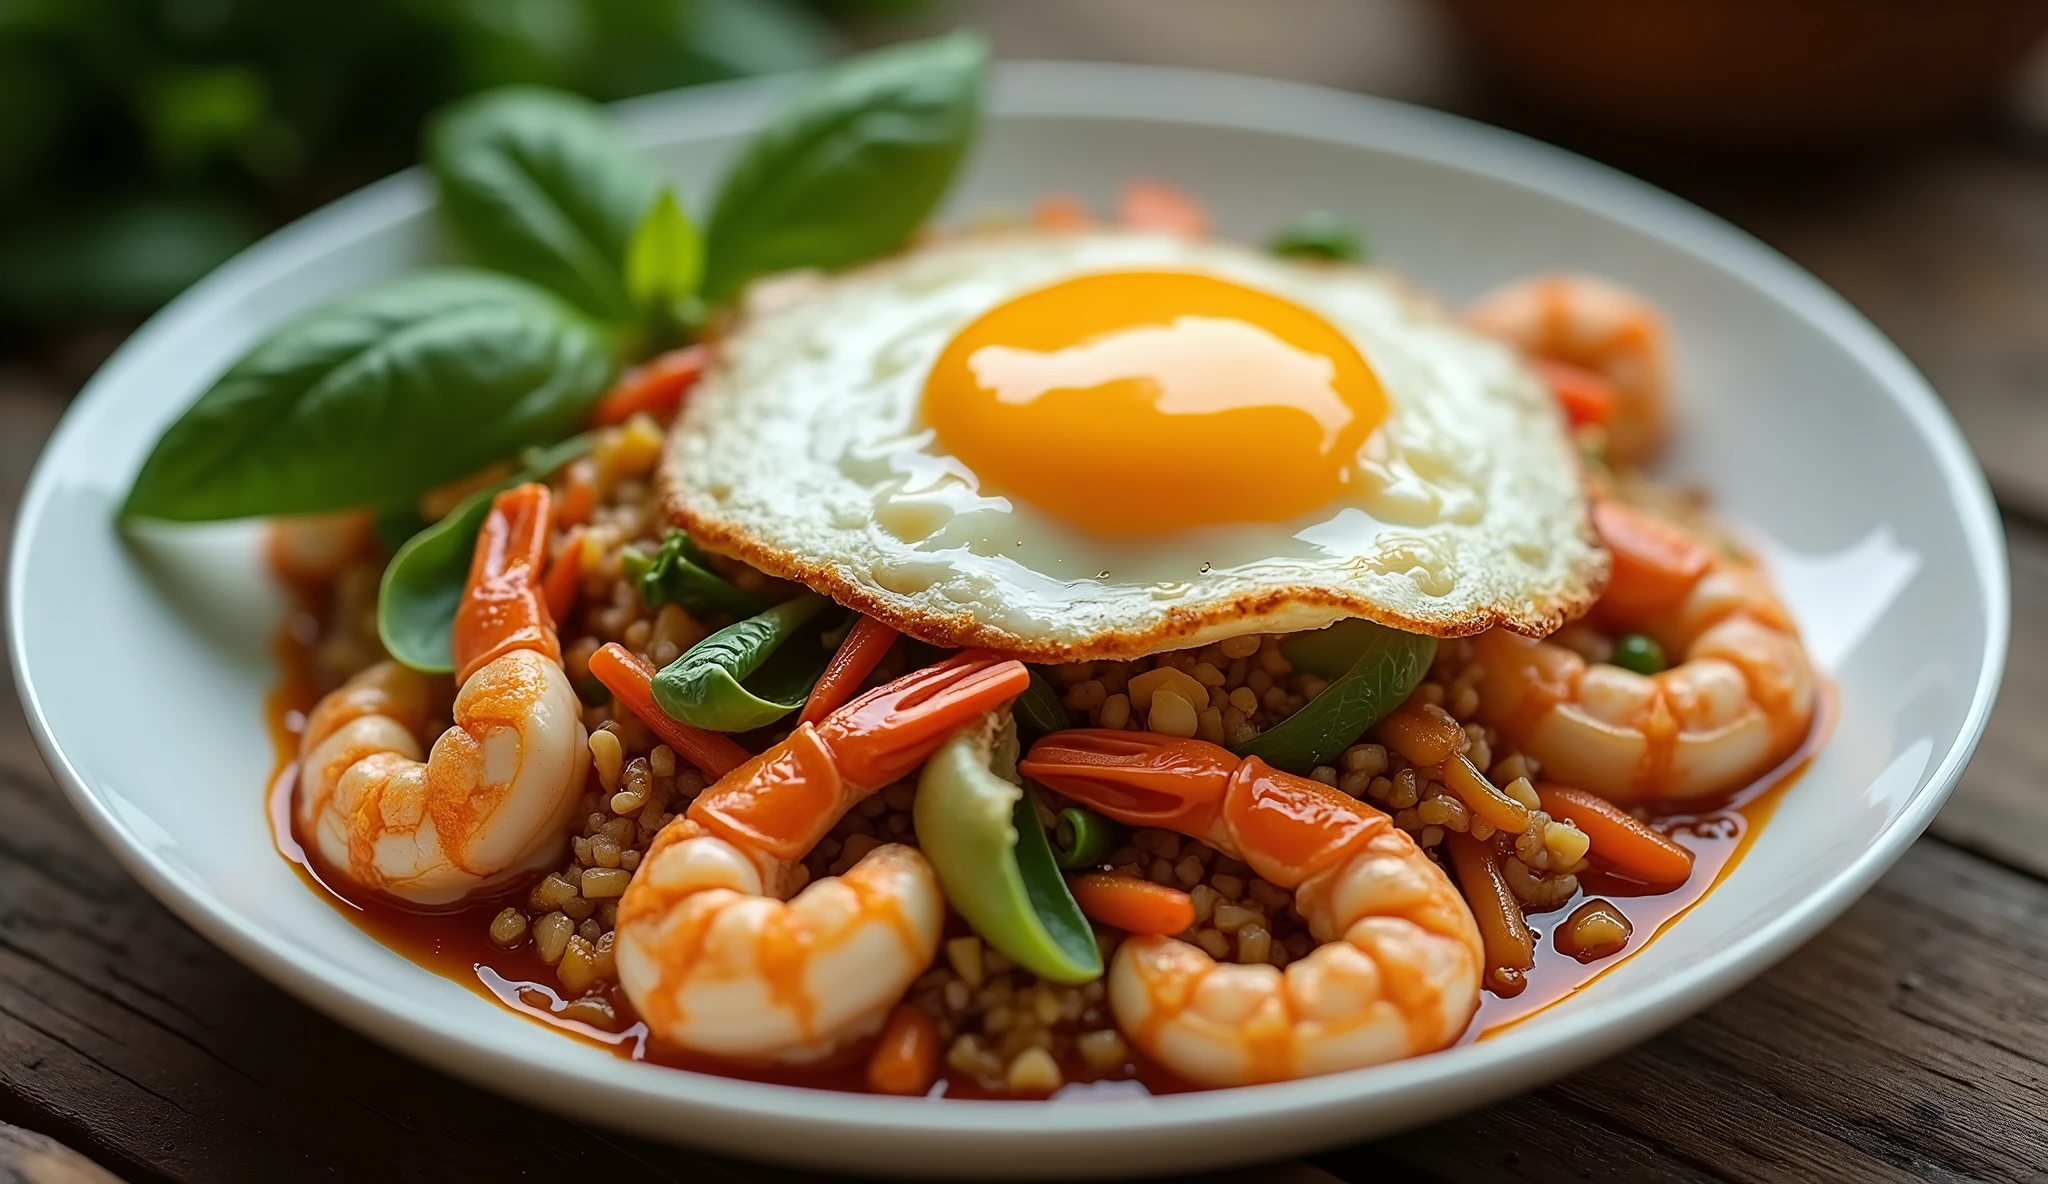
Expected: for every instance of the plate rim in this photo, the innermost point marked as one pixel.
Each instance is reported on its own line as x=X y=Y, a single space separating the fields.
x=739 y=1110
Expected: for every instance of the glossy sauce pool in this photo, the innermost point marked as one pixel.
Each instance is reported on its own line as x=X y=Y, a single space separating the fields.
x=456 y=944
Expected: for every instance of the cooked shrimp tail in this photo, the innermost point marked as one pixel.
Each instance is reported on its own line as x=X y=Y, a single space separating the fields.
x=1397 y=973
x=721 y=946
x=503 y=606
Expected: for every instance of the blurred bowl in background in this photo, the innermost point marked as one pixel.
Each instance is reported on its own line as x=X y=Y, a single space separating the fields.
x=1750 y=75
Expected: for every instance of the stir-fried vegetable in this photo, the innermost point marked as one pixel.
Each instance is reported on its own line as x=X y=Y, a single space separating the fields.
x=632 y=682
x=1510 y=947
x=981 y=832
x=1039 y=710
x=1319 y=234
x=1624 y=842
x=1084 y=839
x=1373 y=669
x=905 y=1061
x=1132 y=904
x=423 y=582
x=772 y=651
x=1639 y=652
x=656 y=387
x=862 y=650
x=679 y=574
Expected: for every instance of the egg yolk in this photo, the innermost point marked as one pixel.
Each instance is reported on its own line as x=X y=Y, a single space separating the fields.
x=1144 y=402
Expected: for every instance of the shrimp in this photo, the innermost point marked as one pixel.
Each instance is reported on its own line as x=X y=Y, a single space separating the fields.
x=719 y=950
x=1598 y=326
x=494 y=798
x=1399 y=968
x=1740 y=699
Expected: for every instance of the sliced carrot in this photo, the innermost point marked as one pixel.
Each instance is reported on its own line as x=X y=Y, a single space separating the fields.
x=1424 y=737
x=1585 y=396
x=579 y=492
x=1619 y=838
x=565 y=577
x=1061 y=212
x=1131 y=904
x=1655 y=563
x=632 y=681
x=857 y=658
x=1155 y=205
x=906 y=1059
x=656 y=386
x=1510 y=947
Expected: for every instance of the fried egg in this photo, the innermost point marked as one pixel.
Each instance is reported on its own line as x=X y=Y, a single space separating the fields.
x=1102 y=445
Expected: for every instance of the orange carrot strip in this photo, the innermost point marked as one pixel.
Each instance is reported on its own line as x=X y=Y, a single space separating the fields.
x=626 y=676
x=1510 y=947
x=906 y=1059
x=1655 y=563
x=1585 y=396
x=1618 y=837
x=565 y=578
x=1424 y=737
x=1131 y=904
x=655 y=386
x=857 y=657
x=1155 y=205
x=579 y=492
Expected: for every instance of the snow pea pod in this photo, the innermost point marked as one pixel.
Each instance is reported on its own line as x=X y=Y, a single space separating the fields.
x=982 y=834
x=1372 y=668
x=750 y=673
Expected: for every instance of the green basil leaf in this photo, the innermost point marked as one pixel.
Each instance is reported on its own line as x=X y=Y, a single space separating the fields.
x=665 y=261
x=702 y=688
x=851 y=167
x=543 y=184
x=981 y=833
x=1375 y=668
x=378 y=397
x=677 y=574
x=423 y=583
x=1039 y=709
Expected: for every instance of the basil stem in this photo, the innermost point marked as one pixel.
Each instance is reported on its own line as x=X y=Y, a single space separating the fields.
x=677 y=574
x=423 y=583
x=1374 y=669
x=982 y=835
x=544 y=185
x=1084 y=840
x=1039 y=709
x=378 y=397
x=703 y=687
x=851 y=167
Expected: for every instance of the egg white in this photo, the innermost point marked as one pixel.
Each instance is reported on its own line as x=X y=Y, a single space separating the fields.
x=803 y=451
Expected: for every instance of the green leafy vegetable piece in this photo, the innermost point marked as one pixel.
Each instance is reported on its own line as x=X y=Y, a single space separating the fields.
x=542 y=184
x=851 y=167
x=423 y=583
x=377 y=398
x=664 y=263
x=1319 y=234
x=1373 y=669
x=1039 y=709
x=1639 y=652
x=981 y=832
x=703 y=687
x=678 y=574
x=1084 y=839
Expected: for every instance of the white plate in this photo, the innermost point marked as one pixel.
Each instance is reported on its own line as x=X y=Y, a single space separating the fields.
x=144 y=668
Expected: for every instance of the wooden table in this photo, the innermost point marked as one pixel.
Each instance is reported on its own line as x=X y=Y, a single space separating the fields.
x=1908 y=1041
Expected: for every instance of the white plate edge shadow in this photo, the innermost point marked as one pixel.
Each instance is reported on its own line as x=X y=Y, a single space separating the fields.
x=743 y=1110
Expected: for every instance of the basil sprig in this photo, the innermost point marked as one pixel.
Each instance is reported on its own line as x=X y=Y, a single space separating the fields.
x=679 y=574
x=542 y=184
x=423 y=583
x=1373 y=667
x=377 y=398
x=851 y=167
x=773 y=654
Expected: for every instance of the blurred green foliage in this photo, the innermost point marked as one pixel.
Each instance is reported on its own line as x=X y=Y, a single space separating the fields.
x=142 y=142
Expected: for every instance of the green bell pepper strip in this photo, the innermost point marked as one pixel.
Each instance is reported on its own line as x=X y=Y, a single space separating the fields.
x=1084 y=839
x=773 y=652
x=1039 y=709
x=1373 y=669
x=982 y=835
x=678 y=574
x=423 y=583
